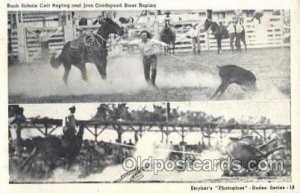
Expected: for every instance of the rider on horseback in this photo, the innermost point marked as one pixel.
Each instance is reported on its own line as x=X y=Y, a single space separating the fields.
x=168 y=19
x=69 y=131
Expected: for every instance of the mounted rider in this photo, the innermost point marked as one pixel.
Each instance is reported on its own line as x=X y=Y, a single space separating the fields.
x=69 y=130
x=168 y=20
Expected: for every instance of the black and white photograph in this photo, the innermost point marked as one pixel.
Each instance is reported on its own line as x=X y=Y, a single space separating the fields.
x=148 y=55
x=209 y=141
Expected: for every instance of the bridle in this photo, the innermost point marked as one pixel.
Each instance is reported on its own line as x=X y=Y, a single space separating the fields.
x=103 y=39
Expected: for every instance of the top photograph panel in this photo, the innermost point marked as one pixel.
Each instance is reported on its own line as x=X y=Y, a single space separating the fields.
x=148 y=55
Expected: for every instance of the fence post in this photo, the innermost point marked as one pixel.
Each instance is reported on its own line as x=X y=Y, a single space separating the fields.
x=207 y=40
x=156 y=27
x=22 y=48
x=68 y=26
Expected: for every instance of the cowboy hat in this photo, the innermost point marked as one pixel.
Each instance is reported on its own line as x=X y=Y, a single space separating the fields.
x=73 y=108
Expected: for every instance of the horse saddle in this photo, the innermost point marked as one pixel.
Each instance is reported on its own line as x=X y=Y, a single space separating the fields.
x=77 y=44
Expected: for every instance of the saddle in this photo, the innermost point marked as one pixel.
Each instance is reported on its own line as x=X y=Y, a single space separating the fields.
x=77 y=44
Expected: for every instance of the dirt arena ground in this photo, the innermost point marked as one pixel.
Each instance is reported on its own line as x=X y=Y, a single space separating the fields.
x=184 y=77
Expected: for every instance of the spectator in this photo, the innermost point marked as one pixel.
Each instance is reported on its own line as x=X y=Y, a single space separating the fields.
x=231 y=32
x=168 y=20
x=69 y=131
x=44 y=42
x=194 y=34
x=130 y=142
x=239 y=28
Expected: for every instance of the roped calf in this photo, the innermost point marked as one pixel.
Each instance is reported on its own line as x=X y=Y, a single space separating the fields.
x=233 y=74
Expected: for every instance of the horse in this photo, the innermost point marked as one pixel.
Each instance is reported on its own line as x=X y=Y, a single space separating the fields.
x=51 y=150
x=77 y=52
x=169 y=37
x=257 y=15
x=244 y=150
x=220 y=32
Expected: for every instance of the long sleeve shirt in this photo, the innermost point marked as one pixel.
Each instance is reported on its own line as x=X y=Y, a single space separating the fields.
x=71 y=121
x=239 y=28
x=194 y=33
x=231 y=28
x=44 y=36
x=150 y=47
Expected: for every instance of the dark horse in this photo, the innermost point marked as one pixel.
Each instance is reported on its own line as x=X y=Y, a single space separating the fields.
x=95 y=52
x=257 y=15
x=169 y=37
x=220 y=32
x=51 y=150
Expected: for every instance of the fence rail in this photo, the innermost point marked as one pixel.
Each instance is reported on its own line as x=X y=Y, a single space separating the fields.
x=268 y=34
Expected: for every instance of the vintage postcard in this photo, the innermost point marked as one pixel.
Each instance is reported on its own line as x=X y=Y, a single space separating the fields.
x=150 y=96
x=88 y=56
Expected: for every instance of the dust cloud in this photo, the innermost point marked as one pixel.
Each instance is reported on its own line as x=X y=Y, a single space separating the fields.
x=125 y=75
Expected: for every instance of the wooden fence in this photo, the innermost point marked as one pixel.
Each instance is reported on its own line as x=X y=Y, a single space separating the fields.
x=270 y=33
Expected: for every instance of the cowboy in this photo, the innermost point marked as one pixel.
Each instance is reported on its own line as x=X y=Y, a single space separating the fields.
x=44 y=42
x=168 y=19
x=70 y=123
x=231 y=32
x=194 y=34
x=149 y=49
x=238 y=14
x=239 y=28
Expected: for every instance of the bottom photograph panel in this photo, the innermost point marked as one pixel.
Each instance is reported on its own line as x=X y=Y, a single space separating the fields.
x=211 y=141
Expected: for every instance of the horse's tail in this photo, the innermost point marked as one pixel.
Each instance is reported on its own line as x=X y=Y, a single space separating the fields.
x=55 y=61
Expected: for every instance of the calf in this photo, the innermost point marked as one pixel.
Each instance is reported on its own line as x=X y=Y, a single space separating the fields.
x=233 y=74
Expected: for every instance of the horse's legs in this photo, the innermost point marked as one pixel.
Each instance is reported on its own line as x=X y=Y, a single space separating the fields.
x=82 y=69
x=101 y=66
x=66 y=74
